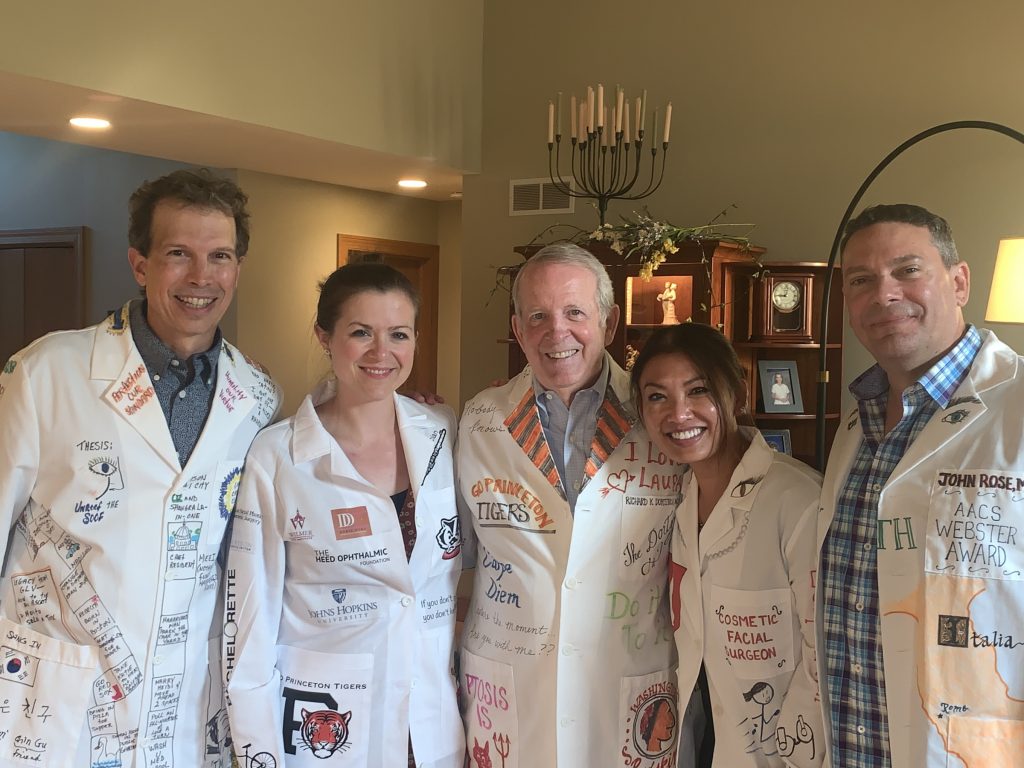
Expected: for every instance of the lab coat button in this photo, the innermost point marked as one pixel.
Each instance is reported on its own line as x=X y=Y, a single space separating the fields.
x=567 y=650
x=412 y=684
x=566 y=722
x=406 y=601
x=571 y=583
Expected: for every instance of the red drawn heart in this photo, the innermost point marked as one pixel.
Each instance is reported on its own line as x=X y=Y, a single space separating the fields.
x=619 y=480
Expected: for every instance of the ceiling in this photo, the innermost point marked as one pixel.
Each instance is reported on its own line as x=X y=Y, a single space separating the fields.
x=42 y=108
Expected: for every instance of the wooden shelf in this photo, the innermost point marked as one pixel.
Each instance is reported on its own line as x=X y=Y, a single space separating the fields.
x=717 y=285
x=792 y=416
x=782 y=345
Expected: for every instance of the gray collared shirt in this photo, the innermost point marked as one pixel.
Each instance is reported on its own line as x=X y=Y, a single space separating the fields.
x=184 y=388
x=572 y=429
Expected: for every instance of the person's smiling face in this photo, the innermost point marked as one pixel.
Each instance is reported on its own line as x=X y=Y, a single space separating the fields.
x=678 y=410
x=904 y=304
x=372 y=344
x=189 y=275
x=560 y=328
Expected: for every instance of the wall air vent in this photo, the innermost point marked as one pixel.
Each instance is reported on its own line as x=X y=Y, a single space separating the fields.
x=530 y=197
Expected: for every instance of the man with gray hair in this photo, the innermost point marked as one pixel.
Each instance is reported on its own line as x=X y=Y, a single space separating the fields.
x=920 y=598
x=567 y=654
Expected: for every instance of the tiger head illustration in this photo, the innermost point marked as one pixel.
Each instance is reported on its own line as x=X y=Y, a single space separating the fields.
x=324 y=731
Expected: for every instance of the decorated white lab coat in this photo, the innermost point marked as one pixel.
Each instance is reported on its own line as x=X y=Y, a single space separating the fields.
x=951 y=573
x=110 y=581
x=567 y=654
x=743 y=600
x=338 y=649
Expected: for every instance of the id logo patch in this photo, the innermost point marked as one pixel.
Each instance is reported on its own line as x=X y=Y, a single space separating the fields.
x=351 y=523
x=953 y=631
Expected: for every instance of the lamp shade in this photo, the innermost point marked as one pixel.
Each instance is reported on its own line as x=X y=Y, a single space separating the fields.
x=1005 y=304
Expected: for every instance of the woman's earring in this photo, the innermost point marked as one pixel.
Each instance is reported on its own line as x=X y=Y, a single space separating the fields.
x=327 y=351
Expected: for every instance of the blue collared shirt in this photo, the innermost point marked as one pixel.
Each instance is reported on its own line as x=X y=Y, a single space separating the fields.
x=570 y=431
x=184 y=388
x=855 y=678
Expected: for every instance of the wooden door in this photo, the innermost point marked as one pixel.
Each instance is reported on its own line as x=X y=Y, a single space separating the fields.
x=420 y=263
x=42 y=285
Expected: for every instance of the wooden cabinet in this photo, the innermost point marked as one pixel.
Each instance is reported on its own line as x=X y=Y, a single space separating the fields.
x=760 y=358
x=723 y=285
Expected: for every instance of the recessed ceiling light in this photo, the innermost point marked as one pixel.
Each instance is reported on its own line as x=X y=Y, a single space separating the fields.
x=89 y=122
x=412 y=183
x=455 y=195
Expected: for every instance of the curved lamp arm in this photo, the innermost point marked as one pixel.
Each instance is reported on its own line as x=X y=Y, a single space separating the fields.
x=823 y=364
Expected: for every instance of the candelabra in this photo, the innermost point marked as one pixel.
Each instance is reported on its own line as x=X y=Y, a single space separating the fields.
x=605 y=164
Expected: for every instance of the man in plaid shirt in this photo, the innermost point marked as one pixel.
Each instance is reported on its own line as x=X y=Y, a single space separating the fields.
x=921 y=594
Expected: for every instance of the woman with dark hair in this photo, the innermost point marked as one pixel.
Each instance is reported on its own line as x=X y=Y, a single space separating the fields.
x=743 y=556
x=346 y=553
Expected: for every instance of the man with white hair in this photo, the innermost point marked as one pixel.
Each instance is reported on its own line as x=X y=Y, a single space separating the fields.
x=567 y=654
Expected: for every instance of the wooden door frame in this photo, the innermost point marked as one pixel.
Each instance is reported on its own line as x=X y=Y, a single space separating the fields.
x=428 y=256
x=73 y=237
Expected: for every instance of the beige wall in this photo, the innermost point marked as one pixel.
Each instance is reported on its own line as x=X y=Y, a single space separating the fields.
x=449 y=351
x=294 y=246
x=399 y=76
x=781 y=108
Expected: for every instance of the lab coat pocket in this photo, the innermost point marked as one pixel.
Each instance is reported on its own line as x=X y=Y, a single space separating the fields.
x=649 y=717
x=327 y=705
x=752 y=630
x=489 y=703
x=44 y=698
x=984 y=740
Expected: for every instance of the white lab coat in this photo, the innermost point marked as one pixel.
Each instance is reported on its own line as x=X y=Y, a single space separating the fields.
x=951 y=573
x=329 y=629
x=110 y=582
x=743 y=600
x=567 y=654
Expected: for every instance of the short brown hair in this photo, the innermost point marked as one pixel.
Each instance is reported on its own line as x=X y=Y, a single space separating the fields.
x=906 y=213
x=192 y=189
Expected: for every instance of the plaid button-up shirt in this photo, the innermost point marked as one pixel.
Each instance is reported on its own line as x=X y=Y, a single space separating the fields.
x=855 y=682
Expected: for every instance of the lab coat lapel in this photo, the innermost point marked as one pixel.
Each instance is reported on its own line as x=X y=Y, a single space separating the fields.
x=994 y=365
x=131 y=394
x=613 y=422
x=232 y=403
x=727 y=524
x=421 y=441
x=844 y=451
x=523 y=424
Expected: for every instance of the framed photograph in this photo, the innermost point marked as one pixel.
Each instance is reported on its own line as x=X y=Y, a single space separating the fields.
x=778 y=440
x=780 y=386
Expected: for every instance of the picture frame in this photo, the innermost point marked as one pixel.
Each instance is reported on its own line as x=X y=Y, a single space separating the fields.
x=778 y=440
x=780 y=386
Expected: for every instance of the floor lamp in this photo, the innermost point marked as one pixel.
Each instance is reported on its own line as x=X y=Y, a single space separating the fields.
x=1012 y=275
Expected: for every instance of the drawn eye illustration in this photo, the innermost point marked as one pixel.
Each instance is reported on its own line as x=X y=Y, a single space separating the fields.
x=955 y=417
x=104 y=467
